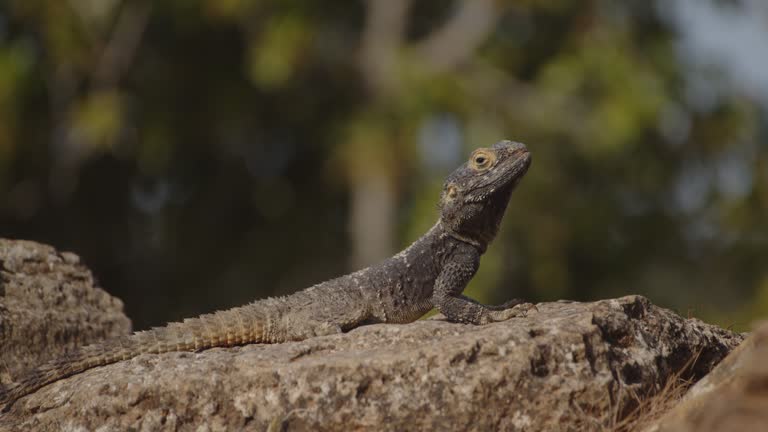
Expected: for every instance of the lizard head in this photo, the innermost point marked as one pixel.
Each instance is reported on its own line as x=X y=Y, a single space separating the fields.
x=475 y=196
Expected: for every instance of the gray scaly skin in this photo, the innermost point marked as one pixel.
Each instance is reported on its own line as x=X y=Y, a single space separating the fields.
x=432 y=272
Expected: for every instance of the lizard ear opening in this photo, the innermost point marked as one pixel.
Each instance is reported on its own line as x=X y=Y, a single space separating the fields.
x=451 y=192
x=449 y=196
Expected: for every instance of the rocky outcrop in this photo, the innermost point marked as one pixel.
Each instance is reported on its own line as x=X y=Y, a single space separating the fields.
x=733 y=397
x=49 y=304
x=569 y=366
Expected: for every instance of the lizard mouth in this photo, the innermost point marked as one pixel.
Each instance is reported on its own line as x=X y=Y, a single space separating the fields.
x=519 y=166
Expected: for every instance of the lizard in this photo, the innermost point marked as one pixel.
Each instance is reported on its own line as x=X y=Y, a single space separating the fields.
x=430 y=273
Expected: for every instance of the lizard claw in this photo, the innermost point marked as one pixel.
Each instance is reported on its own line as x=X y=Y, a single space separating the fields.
x=506 y=305
x=518 y=311
x=527 y=308
x=325 y=329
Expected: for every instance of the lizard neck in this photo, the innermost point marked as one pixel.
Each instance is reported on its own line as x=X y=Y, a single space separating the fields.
x=480 y=244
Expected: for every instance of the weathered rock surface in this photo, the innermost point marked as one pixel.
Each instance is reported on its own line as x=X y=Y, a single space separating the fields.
x=49 y=304
x=558 y=369
x=733 y=397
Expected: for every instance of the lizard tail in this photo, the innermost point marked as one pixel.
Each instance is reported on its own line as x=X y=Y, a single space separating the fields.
x=232 y=327
x=47 y=373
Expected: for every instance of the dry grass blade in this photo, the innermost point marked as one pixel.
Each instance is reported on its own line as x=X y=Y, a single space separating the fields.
x=646 y=409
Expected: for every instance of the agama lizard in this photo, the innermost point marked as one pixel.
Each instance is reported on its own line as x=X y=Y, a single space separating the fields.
x=432 y=272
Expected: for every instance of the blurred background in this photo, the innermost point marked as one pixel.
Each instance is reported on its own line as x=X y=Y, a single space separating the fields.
x=199 y=154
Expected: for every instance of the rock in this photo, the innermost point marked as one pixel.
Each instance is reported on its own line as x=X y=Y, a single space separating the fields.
x=49 y=304
x=733 y=397
x=562 y=368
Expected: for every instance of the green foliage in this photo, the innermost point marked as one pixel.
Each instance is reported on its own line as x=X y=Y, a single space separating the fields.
x=15 y=65
x=274 y=56
x=97 y=119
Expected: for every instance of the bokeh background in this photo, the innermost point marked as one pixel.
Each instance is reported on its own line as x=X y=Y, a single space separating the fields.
x=199 y=154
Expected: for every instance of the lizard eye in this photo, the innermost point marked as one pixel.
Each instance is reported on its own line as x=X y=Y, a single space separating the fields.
x=482 y=159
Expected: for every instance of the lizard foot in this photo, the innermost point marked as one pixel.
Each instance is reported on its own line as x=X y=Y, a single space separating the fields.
x=506 y=305
x=519 y=310
x=310 y=329
x=326 y=328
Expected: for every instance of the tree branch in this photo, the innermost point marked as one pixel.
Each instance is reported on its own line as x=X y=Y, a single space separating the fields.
x=119 y=51
x=460 y=36
x=381 y=41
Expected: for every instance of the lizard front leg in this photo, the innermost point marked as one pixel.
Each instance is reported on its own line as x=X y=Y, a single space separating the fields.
x=454 y=277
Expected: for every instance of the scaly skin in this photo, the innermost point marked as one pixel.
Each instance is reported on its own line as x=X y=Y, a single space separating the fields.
x=432 y=272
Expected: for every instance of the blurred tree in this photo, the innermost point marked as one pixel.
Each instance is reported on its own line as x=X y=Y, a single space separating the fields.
x=201 y=153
